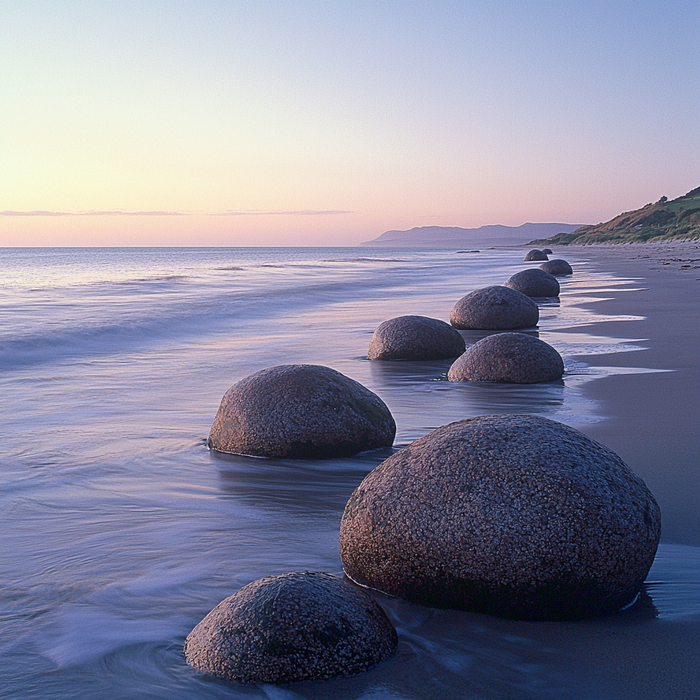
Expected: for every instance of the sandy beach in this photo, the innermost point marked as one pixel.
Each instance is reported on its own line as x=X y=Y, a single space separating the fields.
x=654 y=425
x=654 y=419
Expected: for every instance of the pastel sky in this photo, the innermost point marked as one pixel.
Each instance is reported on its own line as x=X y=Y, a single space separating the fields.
x=292 y=122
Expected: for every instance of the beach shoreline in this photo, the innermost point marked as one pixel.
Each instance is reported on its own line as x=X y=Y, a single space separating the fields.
x=124 y=530
x=652 y=419
x=652 y=422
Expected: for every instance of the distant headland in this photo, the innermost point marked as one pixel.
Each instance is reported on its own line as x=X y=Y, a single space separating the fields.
x=665 y=220
x=456 y=237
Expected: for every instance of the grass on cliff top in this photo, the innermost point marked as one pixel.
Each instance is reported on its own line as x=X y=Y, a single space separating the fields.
x=681 y=222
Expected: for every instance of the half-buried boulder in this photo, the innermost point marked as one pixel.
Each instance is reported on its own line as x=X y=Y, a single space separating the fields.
x=511 y=515
x=415 y=338
x=494 y=308
x=293 y=627
x=300 y=412
x=557 y=267
x=534 y=283
x=547 y=251
x=535 y=254
x=508 y=357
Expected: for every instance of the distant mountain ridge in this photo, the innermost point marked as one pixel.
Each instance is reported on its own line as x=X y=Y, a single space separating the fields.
x=457 y=237
x=678 y=219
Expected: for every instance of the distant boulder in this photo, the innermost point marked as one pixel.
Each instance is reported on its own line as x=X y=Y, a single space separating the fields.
x=534 y=283
x=494 y=308
x=508 y=357
x=535 y=254
x=299 y=626
x=557 y=267
x=547 y=251
x=415 y=338
x=510 y=515
x=300 y=412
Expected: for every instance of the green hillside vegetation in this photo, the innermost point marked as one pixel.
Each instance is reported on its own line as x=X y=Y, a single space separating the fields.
x=678 y=219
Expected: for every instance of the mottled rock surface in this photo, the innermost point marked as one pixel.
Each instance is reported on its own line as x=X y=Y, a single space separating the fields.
x=415 y=338
x=557 y=267
x=300 y=412
x=293 y=627
x=508 y=357
x=534 y=283
x=510 y=515
x=535 y=254
x=494 y=308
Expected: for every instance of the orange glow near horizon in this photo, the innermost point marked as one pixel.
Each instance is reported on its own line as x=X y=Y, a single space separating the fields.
x=328 y=125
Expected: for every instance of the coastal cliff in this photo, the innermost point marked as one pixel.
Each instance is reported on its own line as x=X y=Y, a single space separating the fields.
x=659 y=221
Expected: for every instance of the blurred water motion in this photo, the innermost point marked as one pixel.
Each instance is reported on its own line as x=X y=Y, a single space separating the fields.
x=121 y=530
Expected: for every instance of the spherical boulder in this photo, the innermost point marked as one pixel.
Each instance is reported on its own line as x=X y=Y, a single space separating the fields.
x=293 y=627
x=508 y=357
x=494 y=308
x=547 y=251
x=557 y=267
x=534 y=283
x=510 y=515
x=535 y=254
x=415 y=338
x=300 y=412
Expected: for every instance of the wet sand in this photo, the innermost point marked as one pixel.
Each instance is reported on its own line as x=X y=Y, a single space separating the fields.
x=654 y=419
x=654 y=425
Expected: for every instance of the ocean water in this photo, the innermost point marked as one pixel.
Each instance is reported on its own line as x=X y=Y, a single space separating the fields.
x=121 y=530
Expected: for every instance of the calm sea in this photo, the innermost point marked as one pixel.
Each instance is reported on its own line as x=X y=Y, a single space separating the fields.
x=121 y=530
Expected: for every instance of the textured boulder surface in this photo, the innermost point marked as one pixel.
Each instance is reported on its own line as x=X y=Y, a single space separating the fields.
x=494 y=308
x=508 y=357
x=300 y=412
x=557 y=267
x=511 y=515
x=534 y=283
x=293 y=627
x=535 y=254
x=415 y=338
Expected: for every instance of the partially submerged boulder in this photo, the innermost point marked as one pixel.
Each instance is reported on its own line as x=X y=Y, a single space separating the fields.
x=293 y=627
x=535 y=254
x=534 y=283
x=300 y=412
x=508 y=357
x=494 y=308
x=547 y=251
x=511 y=515
x=557 y=267
x=415 y=338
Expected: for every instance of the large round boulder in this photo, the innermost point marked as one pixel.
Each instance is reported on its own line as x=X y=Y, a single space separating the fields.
x=494 y=308
x=534 y=283
x=557 y=267
x=300 y=412
x=415 y=338
x=293 y=627
x=508 y=357
x=510 y=515
x=535 y=254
